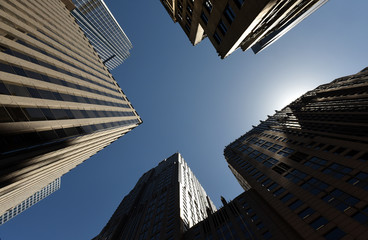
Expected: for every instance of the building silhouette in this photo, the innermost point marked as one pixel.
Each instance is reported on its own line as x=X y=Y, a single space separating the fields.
x=233 y=24
x=59 y=103
x=166 y=201
x=309 y=161
x=248 y=216
x=32 y=200
x=103 y=31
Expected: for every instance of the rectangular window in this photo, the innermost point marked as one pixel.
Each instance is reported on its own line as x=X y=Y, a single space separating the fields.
x=318 y=223
x=204 y=18
x=208 y=5
x=229 y=14
x=239 y=3
x=222 y=27
x=217 y=38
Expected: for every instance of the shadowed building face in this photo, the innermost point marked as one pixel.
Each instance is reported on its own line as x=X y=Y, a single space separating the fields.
x=309 y=161
x=59 y=104
x=233 y=24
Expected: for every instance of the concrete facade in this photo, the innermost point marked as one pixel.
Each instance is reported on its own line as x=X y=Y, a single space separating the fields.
x=233 y=24
x=59 y=104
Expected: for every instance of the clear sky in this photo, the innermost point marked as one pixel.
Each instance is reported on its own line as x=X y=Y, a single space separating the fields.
x=193 y=102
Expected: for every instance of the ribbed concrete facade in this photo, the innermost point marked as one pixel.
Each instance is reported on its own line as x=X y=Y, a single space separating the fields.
x=30 y=201
x=233 y=24
x=59 y=103
x=166 y=201
x=309 y=161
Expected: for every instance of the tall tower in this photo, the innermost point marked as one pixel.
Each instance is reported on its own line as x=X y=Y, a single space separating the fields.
x=103 y=31
x=165 y=202
x=309 y=161
x=30 y=201
x=59 y=104
x=233 y=24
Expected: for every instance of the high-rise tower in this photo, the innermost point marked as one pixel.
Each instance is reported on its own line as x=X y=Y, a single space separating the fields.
x=103 y=31
x=59 y=104
x=309 y=161
x=233 y=24
x=30 y=201
x=165 y=202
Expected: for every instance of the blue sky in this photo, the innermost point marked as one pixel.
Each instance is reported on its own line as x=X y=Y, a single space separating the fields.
x=193 y=102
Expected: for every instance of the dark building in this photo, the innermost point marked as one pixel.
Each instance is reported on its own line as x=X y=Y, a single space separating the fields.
x=59 y=104
x=248 y=216
x=309 y=161
x=233 y=24
x=166 y=201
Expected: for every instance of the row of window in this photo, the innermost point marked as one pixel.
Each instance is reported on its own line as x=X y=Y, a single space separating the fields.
x=23 y=91
x=56 y=33
x=21 y=141
x=18 y=114
x=35 y=75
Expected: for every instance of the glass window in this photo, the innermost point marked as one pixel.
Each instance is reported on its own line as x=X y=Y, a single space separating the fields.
x=17 y=114
x=239 y=3
x=296 y=204
x=287 y=197
x=204 y=18
x=229 y=14
x=208 y=5
x=217 y=38
x=335 y=234
x=34 y=114
x=318 y=223
x=306 y=213
x=222 y=27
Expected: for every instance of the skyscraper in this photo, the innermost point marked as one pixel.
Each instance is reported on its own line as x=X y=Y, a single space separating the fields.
x=103 y=31
x=247 y=217
x=233 y=24
x=32 y=200
x=59 y=103
x=166 y=201
x=309 y=161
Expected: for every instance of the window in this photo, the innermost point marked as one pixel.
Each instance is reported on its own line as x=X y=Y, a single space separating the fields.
x=318 y=223
x=239 y=3
x=360 y=180
x=229 y=14
x=314 y=186
x=315 y=163
x=295 y=205
x=306 y=213
x=208 y=5
x=275 y=148
x=335 y=234
x=363 y=158
x=285 y=152
x=217 y=38
x=222 y=27
x=287 y=197
x=270 y=162
x=189 y=9
x=278 y=192
x=337 y=170
x=204 y=18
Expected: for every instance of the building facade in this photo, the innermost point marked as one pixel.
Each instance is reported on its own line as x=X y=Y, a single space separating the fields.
x=103 y=31
x=32 y=200
x=166 y=201
x=309 y=161
x=233 y=24
x=247 y=217
x=59 y=104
